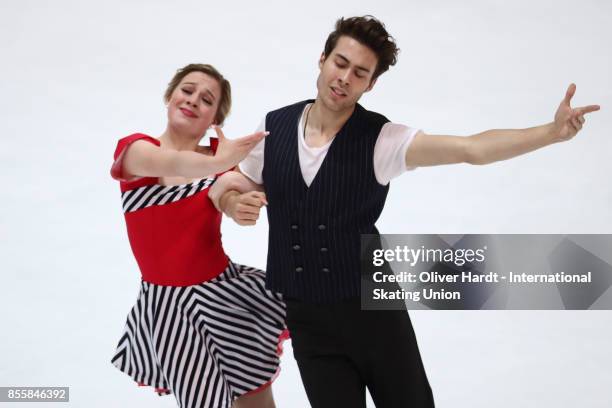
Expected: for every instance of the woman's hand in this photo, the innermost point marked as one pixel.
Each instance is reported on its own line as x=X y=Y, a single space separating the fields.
x=231 y=152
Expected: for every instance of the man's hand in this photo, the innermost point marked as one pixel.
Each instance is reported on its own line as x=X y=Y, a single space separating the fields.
x=568 y=120
x=243 y=208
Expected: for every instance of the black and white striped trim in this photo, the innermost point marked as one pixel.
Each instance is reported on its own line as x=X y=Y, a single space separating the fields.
x=156 y=194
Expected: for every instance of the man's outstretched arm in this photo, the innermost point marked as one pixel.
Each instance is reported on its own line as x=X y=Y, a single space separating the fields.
x=238 y=197
x=498 y=144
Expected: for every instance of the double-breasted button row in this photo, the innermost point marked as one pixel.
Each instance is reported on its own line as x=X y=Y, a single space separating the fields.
x=301 y=269
x=297 y=247
x=320 y=227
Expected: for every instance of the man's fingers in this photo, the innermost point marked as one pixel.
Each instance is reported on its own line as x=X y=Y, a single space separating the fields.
x=250 y=205
x=261 y=196
x=247 y=208
x=573 y=128
x=250 y=199
x=587 y=109
x=253 y=199
x=581 y=119
x=248 y=216
x=569 y=93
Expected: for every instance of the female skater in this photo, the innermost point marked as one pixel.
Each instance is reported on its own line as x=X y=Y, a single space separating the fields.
x=203 y=328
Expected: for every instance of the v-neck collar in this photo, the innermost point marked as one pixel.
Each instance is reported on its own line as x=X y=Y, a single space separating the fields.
x=331 y=144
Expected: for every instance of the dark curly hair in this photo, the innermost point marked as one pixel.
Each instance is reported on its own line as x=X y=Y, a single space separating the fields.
x=370 y=32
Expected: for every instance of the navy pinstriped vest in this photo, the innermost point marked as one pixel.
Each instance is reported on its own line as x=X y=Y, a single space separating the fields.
x=314 y=237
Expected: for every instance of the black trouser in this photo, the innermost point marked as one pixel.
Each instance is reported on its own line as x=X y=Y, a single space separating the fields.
x=341 y=349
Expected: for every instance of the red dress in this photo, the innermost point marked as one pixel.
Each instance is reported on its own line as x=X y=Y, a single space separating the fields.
x=203 y=328
x=174 y=231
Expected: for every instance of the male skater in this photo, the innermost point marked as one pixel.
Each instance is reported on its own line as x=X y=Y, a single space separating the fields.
x=325 y=169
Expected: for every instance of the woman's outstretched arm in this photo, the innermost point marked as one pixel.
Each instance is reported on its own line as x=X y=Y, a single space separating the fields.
x=143 y=159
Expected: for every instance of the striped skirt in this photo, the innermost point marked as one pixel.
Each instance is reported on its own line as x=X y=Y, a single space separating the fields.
x=208 y=343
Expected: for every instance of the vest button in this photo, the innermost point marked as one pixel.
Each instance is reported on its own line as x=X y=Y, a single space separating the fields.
x=325 y=270
x=323 y=249
x=299 y=269
x=294 y=226
x=296 y=247
x=322 y=227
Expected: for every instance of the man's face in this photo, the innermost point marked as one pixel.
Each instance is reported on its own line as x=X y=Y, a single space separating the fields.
x=346 y=74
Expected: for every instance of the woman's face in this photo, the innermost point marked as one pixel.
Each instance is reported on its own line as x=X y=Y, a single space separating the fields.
x=193 y=104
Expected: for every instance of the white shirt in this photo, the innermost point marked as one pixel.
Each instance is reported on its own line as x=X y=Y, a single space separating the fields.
x=389 y=153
